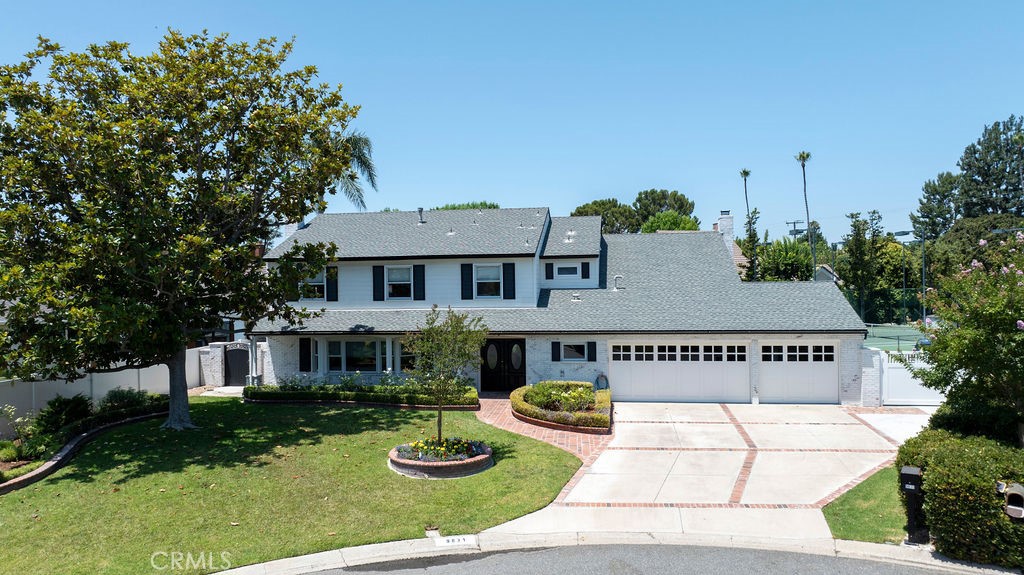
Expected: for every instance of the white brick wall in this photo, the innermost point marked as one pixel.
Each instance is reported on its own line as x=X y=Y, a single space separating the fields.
x=871 y=378
x=539 y=366
x=850 y=383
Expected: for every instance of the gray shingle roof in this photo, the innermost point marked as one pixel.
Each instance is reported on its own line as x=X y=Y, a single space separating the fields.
x=446 y=233
x=584 y=232
x=671 y=283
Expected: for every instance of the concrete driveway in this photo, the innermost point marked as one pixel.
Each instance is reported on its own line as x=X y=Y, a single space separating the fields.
x=755 y=470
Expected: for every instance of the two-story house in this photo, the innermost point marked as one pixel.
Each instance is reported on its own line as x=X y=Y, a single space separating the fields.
x=659 y=317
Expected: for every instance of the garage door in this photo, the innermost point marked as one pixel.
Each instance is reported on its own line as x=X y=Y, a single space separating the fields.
x=717 y=372
x=804 y=372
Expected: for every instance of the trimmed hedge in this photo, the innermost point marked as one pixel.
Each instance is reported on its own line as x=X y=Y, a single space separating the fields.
x=969 y=415
x=600 y=417
x=963 y=512
x=364 y=394
x=154 y=404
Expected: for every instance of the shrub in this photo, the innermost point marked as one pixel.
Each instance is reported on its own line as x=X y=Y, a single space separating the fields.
x=154 y=404
x=968 y=414
x=963 y=512
x=392 y=395
x=8 y=452
x=120 y=398
x=449 y=449
x=561 y=395
x=61 y=411
x=599 y=417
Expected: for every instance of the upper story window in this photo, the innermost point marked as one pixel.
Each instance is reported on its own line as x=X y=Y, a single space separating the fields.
x=399 y=282
x=488 y=280
x=567 y=271
x=314 y=287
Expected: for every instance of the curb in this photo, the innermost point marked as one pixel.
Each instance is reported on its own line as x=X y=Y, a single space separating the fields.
x=486 y=542
x=67 y=452
x=562 y=426
x=409 y=406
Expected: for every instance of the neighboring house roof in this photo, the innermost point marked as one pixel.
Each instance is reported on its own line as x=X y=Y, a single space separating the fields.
x=573 y=236
x=738 y=259
x=445 y=233
x=670 y=283
x=826 y=273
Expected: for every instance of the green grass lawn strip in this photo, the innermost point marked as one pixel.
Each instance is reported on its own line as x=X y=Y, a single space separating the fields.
x=297 y=479
x=871 y=511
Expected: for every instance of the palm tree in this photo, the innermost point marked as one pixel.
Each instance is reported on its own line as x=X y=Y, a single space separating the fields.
x=360 y=151
x=803 y=158
x=745 y=173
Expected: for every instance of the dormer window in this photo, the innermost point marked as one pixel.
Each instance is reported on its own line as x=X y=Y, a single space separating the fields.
x=399 y=280
x=568 y=271
x=488 y=280
x=314 y=287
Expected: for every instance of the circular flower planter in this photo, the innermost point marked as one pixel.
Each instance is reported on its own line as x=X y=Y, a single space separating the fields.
x=440 y=469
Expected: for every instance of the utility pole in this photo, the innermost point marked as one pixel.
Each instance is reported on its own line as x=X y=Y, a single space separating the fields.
x=795 y=232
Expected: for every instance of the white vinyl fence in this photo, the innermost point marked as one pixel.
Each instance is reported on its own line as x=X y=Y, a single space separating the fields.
x=900 y=387
x=31 y=396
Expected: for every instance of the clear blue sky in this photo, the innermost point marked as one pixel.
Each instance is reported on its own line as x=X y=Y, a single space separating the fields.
x=557 y=103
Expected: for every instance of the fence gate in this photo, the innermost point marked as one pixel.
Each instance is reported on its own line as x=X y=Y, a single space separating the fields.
x=236 y=363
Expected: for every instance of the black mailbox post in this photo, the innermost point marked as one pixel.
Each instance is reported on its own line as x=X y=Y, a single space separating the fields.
x=911 y=485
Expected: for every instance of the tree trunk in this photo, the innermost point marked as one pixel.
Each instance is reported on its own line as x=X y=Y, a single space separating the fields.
x=810 y=232
x=440 y=412
x=1020 y=434
x=178 y=417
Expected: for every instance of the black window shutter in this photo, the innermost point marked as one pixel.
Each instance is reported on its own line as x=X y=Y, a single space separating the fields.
x=585 y=270
x=305 y=354
x=419 y=290
x=331 y=279
x=549 y=271
x=467 y=281
x=508 y=281
x=556 y=351
x=591 y=351
x=378 y=283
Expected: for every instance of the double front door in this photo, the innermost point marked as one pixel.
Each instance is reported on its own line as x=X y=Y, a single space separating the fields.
x=504 y=364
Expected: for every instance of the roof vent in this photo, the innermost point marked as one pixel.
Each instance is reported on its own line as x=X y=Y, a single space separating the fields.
x=475 y=223
x=521 y=226
x=616 y=279
x=422 y=221
x=451 y=231
x=527 y=242
x=538 y=213
x=575 y=296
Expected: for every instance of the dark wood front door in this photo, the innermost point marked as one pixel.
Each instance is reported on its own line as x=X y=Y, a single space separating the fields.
x=236 y=364
x=504 y=365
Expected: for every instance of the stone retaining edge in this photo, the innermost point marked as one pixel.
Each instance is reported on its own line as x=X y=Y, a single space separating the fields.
x=561 y=426
x=65 y=454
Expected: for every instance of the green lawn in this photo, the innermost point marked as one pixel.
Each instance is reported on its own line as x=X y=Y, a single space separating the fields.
x=870 y=511
x=295 y=479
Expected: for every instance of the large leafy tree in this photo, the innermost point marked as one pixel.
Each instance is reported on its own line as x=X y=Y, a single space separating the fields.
x=670 y=220
x=959 y=245
x=136 y=190
x=784 y=260
x=992 y=171
x=648 y=203
x=861 y=248
x=939 y=206
x=977 y=349
x=481 y=205
x=749 y=244
x=445 y=348
x=616 y=218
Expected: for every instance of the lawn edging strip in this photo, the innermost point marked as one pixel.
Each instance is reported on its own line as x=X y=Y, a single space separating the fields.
x=560 y=426
x=69 y=450
x=361 y=404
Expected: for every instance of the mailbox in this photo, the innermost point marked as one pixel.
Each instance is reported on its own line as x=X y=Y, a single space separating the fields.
x=910 y=479
x=1014 y=494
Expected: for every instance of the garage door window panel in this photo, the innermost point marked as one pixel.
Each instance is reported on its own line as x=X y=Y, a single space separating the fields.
x=798 y=353
x=713 y=353
x=643 y=353
x=689 y=353
x=823 y=353
x=735 y=353
x=620 y=352
x=666 y=353
x=771 y=353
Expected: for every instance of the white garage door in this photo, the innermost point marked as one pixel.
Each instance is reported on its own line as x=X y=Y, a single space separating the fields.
x=717 y=372
x=804 y=372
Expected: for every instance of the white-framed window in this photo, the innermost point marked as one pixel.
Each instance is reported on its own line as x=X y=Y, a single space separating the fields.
x=823 y=353
x=689 y=353
x=643 y=353
x=399 y=282
x=666 y=353
x=735 y=353
x=352 y=356
x=315 y=353
x=798 y=353
x=567 y=271
x=488 y=280
x=771 y=353
x=314 y=287
x=620 y=352
x=574 y=352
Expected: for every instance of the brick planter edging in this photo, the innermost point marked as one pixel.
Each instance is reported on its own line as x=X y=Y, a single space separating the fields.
x=363 y=403
x=440 y=469
x=561 y=426
x=67 y=452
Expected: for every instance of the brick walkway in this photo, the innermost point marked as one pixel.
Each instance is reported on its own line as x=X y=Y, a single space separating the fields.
x=497 y=411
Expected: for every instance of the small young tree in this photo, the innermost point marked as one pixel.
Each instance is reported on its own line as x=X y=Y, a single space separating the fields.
x=977 y=348
x=444 y=349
